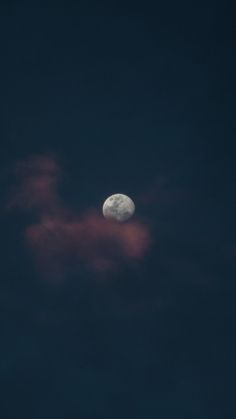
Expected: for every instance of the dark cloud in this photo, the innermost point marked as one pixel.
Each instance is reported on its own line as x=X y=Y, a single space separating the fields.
x=61 y=240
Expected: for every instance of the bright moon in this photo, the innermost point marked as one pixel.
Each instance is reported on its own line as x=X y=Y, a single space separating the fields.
x=118 y=207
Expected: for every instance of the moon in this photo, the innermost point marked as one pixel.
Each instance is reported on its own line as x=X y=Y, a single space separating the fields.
x=118 y=207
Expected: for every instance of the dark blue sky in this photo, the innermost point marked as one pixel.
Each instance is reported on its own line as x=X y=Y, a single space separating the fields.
x=140 y=102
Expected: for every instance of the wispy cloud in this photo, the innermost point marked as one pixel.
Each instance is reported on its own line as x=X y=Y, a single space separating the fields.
x=36 y=185
x=61 y=240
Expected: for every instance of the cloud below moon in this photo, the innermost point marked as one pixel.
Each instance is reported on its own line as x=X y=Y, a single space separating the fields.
x=61 y=240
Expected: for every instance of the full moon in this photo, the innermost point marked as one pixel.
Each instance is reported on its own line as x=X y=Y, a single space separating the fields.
x=118 y=207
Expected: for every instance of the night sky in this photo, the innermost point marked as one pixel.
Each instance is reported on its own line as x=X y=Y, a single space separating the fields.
x=116 y=321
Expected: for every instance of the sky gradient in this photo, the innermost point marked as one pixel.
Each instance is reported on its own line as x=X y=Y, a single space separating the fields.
x=100 y=320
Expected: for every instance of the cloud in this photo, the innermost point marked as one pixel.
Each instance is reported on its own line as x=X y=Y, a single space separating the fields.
x=36 y=189
x=61 y=245
x=63 y=241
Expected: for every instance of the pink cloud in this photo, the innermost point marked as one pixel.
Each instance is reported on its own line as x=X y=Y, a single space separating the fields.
x=37 y=184
x=62 y=245
x=63 y=241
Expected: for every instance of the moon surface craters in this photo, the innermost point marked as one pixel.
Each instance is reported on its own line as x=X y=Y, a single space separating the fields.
x=118 y=207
